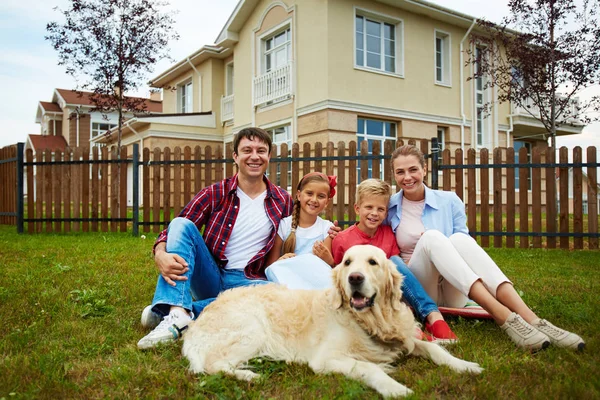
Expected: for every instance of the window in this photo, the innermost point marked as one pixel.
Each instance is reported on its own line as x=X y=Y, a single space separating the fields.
x=441 y=137
x=279 y=136
x=185 y=97
x=442 y=58
x=517 y=146
x=229 y=79
x=481 y=125
x=99 y=128
x=277 y=50
x=374 y=131
x=377 y=43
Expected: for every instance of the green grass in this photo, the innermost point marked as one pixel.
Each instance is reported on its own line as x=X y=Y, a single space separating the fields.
x=70 y=307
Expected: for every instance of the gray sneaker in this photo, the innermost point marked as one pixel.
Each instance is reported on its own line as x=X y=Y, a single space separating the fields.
x=170 y=329
x=150 y=319
x=559 y=337
x=523 y=334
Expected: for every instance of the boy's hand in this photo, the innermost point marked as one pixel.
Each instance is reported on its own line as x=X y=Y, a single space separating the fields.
x=334 y=230
x=321 y=251
x=286 y=255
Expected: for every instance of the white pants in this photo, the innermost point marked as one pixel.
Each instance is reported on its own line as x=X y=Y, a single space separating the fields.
x=305 y=271
x=447 y=267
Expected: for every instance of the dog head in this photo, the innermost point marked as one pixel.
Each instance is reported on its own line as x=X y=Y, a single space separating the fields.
x=364 y=278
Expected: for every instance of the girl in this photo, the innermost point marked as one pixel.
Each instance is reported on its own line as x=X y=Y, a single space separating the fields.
x=430 y=228
x=301 y=255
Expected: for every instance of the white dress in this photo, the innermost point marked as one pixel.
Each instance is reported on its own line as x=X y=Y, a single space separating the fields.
x=305 y=270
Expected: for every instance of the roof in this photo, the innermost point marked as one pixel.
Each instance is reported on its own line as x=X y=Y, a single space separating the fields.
x=73 y=97
x=43 y=142
x=50 y=107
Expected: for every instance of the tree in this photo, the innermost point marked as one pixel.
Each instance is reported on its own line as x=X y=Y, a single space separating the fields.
x=112 y=45
x=541 y=57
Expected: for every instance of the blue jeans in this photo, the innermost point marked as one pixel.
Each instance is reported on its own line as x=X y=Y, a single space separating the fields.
x=413 y=291
x=205 y=279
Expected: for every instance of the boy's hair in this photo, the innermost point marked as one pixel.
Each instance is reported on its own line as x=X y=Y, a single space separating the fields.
x=251 y=134
x=373 y=187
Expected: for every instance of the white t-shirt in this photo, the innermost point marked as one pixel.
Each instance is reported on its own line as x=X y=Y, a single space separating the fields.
x=305 y=237
x=250 y=232
x=411 y=227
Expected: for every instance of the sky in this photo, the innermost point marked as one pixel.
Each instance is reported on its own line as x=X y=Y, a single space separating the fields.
x=29 y=72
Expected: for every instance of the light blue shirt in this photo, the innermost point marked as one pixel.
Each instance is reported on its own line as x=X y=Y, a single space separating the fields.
x=443 y=211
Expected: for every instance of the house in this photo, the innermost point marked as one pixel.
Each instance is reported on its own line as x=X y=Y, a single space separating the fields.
x=336 y=70
x=70 y=120
x=585 y=185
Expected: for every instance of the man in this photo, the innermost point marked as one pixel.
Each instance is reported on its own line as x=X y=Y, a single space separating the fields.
x=240 y=216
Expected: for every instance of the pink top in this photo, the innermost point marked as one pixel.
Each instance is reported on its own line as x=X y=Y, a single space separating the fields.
x=383 y=238
x=411 y=227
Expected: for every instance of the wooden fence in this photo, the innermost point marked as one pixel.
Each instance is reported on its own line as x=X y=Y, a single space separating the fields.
x=76 y=191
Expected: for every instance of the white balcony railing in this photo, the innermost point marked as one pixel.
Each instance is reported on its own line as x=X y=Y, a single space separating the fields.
x=530 y=108
x=227 y=108
x=274 y=85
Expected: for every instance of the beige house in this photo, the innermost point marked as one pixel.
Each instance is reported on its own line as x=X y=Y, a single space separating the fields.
x=336 y=70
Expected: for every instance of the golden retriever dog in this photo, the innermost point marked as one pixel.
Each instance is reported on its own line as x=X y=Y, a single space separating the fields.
x=359 y=327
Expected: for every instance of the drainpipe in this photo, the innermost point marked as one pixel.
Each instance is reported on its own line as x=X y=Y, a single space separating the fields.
x=128 y=124
x=199 y=84
x=77 y=129
x=510 y=129
x=462 y=87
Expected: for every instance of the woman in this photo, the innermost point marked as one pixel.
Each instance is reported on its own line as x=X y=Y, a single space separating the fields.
x=430 y=228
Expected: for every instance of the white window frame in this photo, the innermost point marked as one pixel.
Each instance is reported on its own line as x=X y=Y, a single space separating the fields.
x=185 y=96
x=271 y=129
x=271 y=33
x=365 y=135
x=442 y=72
x=99 y=130
x=398 y=47
x=529 y=147
x=482 y=123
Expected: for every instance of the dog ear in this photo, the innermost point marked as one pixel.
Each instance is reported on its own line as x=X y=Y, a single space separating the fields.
x=394 y=282
x=338 y=289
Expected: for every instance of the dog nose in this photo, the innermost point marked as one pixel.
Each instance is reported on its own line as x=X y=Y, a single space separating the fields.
x=356 y=278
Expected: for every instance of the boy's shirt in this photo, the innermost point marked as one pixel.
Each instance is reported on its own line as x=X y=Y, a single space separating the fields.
x=384 y=239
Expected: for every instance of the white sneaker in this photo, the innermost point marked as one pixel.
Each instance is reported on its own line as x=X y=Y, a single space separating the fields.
x=559 y=337
x=523 y=334
x=170 y=329
x=150 y=319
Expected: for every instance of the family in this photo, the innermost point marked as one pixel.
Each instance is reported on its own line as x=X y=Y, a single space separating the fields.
x=244 y=230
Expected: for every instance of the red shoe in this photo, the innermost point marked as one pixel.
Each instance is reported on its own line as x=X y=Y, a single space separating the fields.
x=421 y=335
x=441 y=332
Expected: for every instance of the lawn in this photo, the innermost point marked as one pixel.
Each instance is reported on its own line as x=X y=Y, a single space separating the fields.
x=70 y=307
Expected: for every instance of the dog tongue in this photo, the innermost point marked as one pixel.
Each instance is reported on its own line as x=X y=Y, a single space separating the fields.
x=359 y=301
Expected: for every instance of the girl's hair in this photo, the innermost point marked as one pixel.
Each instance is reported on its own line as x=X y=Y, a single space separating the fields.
x=408 y=150
x=290 y=243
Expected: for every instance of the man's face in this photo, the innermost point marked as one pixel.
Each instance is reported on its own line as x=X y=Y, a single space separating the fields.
x=252 y=158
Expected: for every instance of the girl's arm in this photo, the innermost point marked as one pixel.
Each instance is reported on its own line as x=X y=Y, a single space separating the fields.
x=322 y=249
x=275 y=251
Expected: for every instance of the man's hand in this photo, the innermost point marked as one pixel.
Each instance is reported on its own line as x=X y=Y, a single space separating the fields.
x=334 y=230
x=171 y=266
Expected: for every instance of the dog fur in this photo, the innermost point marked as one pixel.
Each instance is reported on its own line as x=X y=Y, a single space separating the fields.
x=357 y=328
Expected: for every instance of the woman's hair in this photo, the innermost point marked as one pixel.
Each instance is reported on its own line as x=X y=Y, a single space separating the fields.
x=373 y=187
x=408 y=150
x=290 y=243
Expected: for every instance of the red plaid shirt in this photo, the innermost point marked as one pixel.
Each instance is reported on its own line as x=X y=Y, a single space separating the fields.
x=216 y=208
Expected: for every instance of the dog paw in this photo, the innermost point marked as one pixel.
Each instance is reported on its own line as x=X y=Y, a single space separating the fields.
x=467 y=366
x=392 y=391
x=245 y=375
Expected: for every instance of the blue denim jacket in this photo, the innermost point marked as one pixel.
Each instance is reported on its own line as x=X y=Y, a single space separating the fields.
x=443 y=211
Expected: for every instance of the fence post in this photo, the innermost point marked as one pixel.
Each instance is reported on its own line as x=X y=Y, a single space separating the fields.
x=435 y=159
x=135 y=190
x=20 y=191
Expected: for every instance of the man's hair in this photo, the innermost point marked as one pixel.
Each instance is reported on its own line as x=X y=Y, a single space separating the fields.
x=251 y=134
x=373 y=187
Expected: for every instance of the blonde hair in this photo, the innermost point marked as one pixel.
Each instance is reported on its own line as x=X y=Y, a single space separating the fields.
x=373 y=187
x=289 y=246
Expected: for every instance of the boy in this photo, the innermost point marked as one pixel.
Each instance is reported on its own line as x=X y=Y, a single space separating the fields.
x=372 y=198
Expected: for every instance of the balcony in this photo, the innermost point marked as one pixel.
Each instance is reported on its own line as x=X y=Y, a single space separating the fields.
x=227 y=108
x=273 y=86
x=525 y=120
